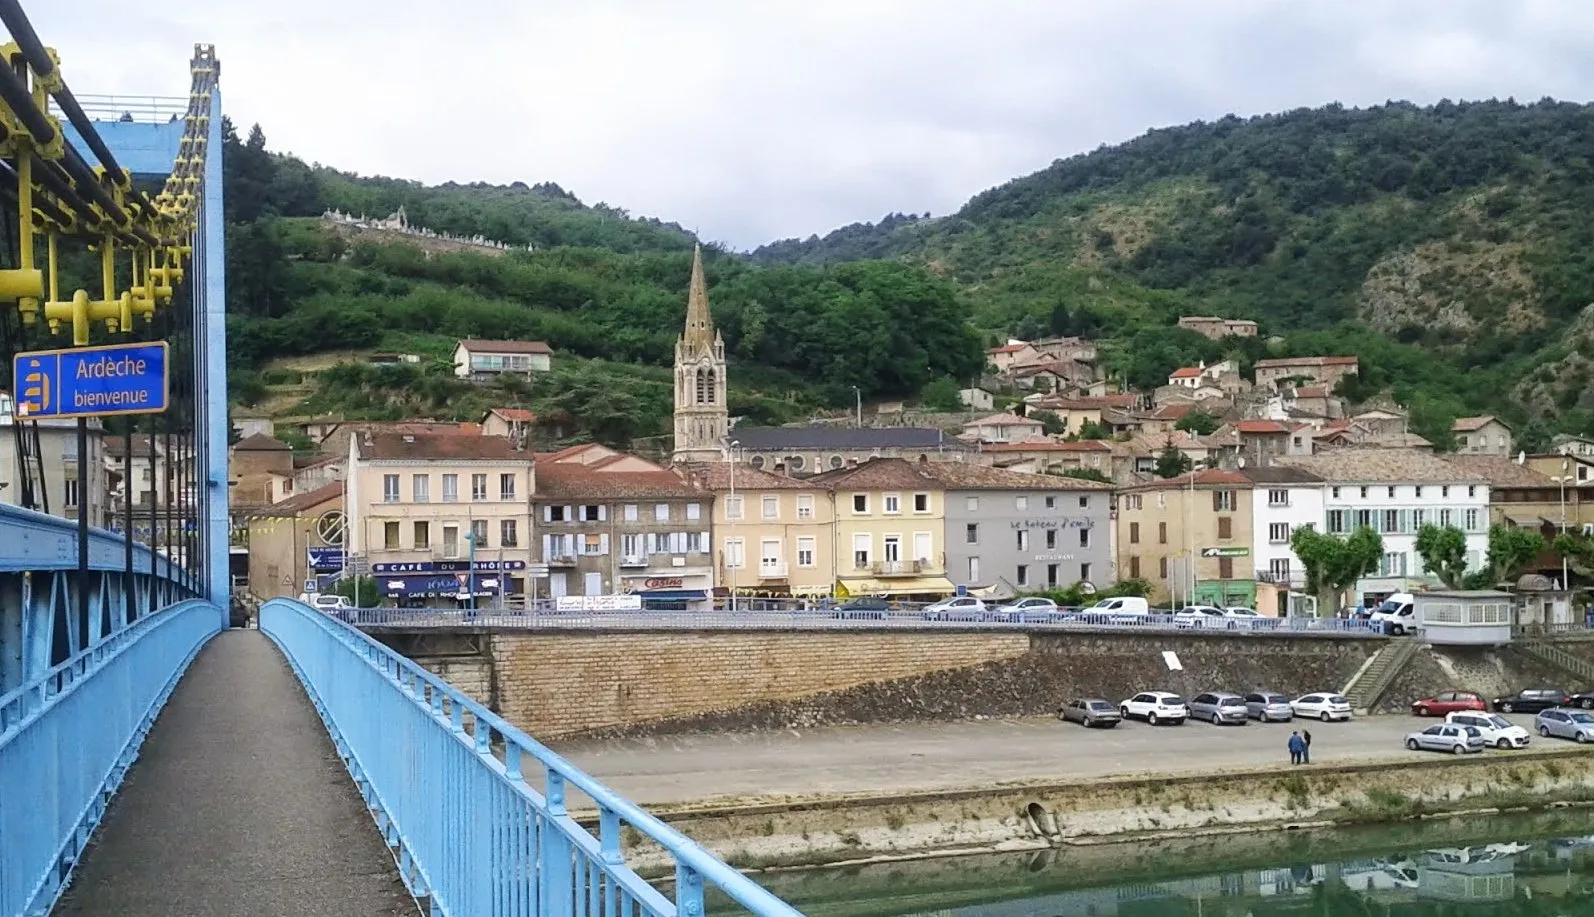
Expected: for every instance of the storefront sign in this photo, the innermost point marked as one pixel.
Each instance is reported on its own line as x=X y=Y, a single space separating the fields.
x=663 y=582
x=598 y=603
x=1225 y=552
x=1064 y=523
x=326 y=558
x=448 y=566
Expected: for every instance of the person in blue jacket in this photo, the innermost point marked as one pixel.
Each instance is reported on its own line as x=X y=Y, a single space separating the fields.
x=1297 y=748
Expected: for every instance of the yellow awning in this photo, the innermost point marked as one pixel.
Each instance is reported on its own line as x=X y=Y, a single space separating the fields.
x=915 y=585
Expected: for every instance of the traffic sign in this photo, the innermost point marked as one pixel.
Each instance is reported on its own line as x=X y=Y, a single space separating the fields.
x=1226 y=552
x=92 y=381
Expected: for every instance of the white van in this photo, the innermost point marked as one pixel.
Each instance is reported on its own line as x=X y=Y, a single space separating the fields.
x=1397 y=615
x=1122 y=605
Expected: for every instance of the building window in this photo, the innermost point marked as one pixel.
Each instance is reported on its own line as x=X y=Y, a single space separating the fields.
x=423 y=536
x=1472 y=491
x=1472 y=520
x=1417 y=491
x=1134 y=567
x=390 y=536
x=478 y=532
x=1021 y=577
x=921 y=547
x=507 y=536
x=971 y=533
x=1162 y=568
x=1364 y=519
x=506 y=486
x=697 y=542
x=1446 y=518
x=893 y=504
x=1051 y=539
x=836 y=461
x=390 y=488
x=860 y=550
x=805 y=506
x=631 y=546
x=1391 y=521
x=1132 y=501
x=805 y=551
x=591 y=512
x=1225 y=527
x=555 y=513
x=972 y=504
x=771 y=506
x=1021 y=503
x=1391 y=491
x=860 y=503
x=1419 y=518
x=1162 y=533
x=694 y=512
x=1394 y=565
x=1280 y=568
x=592 y=544
x=1084 y=573
x=756 y=461
x=734 y=553
x=661 y=512
x=1084 y=538
x=630 y=512
x=892 y=549
x=478 y=487
x=1134 y=533
x=1051 y=502
x=451 y=541
x=1335 y=492
x=421 y=488
x=733 y=507
x=1278 y=532
x=1023 y=539
x=1051 y=575
x=1364 y=493
x=450 y=488
x=71 y=492
x=921 y=503
x=1225 y=568
x=1278 y=498
x=1223 y=501
x=1084 y=502
x=974 y=569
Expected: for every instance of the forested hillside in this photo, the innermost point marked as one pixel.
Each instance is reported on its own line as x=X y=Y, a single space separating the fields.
x=1449 y=246
x=607 y=291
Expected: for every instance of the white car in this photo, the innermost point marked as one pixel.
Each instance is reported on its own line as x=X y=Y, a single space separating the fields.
x=1031 y=608
x=1457 y=740
x=327 y=602
x=1155 y=707
x=1495 y=729
x=1199 y=616
x=1323 y=706
x=956 y=608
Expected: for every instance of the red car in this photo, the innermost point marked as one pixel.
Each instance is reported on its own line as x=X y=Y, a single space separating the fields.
x=1448 y=702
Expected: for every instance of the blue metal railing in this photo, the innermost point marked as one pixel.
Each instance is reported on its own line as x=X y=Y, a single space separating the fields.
x=450 y=784
x=68 y=738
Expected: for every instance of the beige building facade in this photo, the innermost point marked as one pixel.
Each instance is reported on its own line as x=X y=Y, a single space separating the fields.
x=774 y=534
x=1190 y=538
x=890 y=530
x=292 y=541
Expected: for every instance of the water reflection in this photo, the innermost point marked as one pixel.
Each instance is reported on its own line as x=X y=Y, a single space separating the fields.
x=1434 y=877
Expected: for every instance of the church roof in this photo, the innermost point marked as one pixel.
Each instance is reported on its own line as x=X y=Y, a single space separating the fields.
x=699 y=324
x=772 y=439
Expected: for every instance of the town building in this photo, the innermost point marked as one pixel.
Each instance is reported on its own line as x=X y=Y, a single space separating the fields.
x=1004 y=358
x=161 y=472
x=890 y=529
x=437 y=519
x=51 y=464
x=332 y=436
x=1007 y=532
x=1185 y=377
x=615 y=524
x=295 y=542
x=513 y=424
x=1004 y=428
x=1261 y=441
x=261 y=470
x=1396 y=492
x=1325 y=371
x=1190 y=538
x=701 y=414
x=480 y=361
x=1568 y=444
x=1283 y=499
x=1051 y=375
x=247 y=422
x=1051 y=457
x=1525 y=496
x=977 y=399
x=1217 y=329
x=812 y=448
x=1074 y=349
x=1487 y=435
x=774 y=534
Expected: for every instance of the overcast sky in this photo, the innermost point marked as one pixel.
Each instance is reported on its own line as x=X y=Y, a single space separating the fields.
x=751 y=120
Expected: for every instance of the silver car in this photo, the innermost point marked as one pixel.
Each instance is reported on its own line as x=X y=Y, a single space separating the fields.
x=1446 y=737
x=1269 y=706
x=1219 y=707
x=1566 y=724
x=1089 y=712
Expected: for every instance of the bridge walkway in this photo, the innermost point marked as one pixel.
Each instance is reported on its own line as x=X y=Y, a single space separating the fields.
x=238 y=805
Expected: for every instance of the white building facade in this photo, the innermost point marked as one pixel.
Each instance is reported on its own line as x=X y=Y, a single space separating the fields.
x=1283 y=500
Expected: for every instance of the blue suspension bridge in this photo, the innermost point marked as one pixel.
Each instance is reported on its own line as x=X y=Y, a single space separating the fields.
x=154 y=760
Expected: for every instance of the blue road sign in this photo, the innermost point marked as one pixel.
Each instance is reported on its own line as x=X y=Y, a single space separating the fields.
x=92 y=381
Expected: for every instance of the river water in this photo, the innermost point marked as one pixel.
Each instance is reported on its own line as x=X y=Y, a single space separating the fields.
x=1522 y=866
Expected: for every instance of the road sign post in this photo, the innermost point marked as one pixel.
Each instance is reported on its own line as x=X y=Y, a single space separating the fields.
x=92 y=381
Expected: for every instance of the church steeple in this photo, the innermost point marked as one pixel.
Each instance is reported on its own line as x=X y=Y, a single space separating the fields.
x=701 y=418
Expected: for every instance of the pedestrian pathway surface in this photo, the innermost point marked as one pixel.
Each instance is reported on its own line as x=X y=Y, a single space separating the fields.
x=238 y=806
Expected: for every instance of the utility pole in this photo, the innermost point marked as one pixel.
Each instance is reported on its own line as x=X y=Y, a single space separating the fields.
x=858 y=395
x=732 y=520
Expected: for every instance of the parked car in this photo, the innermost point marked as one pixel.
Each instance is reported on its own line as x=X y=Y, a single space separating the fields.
x=1530 y=700
x=956 y=608
x=1584 y=699
x=327 y=602
x=1397 y=615
x=1269 y=706
x=1495 y=729
x=1446 y=737
x=1155 y=707
x=1323 y=707
x=865 y=608
x=1566 y=724
x=1033 y=609
x=1199 y=616
x=1119 y=608
x=1219 y=707
x=1447 y=702
x=1089 y=712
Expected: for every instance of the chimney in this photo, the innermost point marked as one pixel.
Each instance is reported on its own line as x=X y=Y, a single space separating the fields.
x=780 y=468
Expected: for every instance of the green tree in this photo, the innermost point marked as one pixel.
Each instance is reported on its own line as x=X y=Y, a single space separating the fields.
x=940 y=395
x=1198 y=422
x=361 y=590
x=1334 y=564
x=1051 y=424
x=1510 y=551
x=1092 y=430
x=1171 y=462
x=1444 y=553
x=1087 y=474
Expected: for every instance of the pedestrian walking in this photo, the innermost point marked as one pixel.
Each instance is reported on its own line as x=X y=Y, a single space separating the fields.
x=1306 y=746
x=1297 y=748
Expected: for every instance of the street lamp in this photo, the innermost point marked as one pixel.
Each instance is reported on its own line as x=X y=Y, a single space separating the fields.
x=470 y=568
x=858 y=395
x=732 y=519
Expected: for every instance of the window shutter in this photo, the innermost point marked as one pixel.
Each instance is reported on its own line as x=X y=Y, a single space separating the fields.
x=603 y=543
x=570 y=514
x=547 y=513
x=603 y=512
x=1217 y=504
x=547 y=547
x=705 y=542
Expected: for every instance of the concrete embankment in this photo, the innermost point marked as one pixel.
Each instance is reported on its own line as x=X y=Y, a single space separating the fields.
x=1105 y=810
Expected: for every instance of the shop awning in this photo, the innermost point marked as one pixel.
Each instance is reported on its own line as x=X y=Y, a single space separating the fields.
x=1524 y=522
x=917 y=585
x=677 y=595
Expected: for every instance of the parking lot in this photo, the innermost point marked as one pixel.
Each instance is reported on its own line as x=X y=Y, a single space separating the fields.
x=931 y=756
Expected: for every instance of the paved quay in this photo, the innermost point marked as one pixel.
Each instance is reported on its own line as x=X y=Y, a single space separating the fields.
x=925 y=757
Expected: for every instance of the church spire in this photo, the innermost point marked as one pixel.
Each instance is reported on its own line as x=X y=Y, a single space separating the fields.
x=699 y=325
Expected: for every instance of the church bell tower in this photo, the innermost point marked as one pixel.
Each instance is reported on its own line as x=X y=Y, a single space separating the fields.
x=701 y=419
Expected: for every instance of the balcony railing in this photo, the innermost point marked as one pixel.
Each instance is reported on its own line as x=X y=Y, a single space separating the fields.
x=1293 y=578
x=898 y=567
x=634 y=560
x=772 y=570
x=562 y=559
